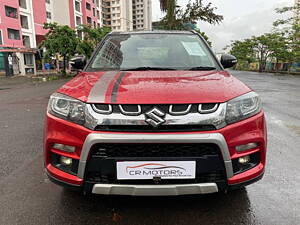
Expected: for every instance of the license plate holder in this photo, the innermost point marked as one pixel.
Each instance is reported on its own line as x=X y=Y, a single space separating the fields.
x=148 y=170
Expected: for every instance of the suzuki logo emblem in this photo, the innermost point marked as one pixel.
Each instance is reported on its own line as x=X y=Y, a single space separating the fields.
x=155 y=117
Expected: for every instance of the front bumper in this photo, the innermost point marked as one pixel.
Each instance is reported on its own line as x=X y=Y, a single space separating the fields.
x=250 y=130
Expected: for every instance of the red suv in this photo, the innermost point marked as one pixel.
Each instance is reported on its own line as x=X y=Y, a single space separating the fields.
x=155 y=113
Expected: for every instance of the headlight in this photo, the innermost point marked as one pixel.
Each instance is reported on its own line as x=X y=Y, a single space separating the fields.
x=243 y=107
x=67 y=108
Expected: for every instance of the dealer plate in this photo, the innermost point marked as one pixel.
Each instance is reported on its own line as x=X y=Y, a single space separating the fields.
x=144 y=170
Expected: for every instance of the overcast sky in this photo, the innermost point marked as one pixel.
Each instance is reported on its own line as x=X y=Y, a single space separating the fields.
x=242 y=19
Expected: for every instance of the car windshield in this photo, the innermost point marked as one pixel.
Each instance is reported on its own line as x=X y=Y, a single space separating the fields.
x=153 y=52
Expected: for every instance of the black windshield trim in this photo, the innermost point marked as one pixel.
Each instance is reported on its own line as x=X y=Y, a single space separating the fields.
x=202 y=68
x=147 y=68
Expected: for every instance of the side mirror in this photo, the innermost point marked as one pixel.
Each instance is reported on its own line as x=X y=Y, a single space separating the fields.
x=228 y=61
x=78 y=62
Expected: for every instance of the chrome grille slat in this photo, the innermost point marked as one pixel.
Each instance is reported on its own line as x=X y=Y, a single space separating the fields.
x=108 y=111
x=205 y=111
x=125 y=112
x=174 y=113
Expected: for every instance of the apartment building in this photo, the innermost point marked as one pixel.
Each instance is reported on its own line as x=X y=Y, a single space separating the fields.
x=127 y=15
x=21 y=23
x=142 y=14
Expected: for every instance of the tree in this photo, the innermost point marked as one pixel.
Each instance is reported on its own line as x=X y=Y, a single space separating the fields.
x=204 y=35
x=194 y=11
x=243 y=51
x=60 y=40
x=279 y=48
x=169 y=6
x=290 y=29
x=262 y=47
x=164 y=5
x=259 y=49
x=91 y=38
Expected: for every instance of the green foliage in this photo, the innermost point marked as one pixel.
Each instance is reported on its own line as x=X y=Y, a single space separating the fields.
x=279 y=47
x=204 y=35
x=178 y=18
x=262 y=50
x=195 y=10
x=63 y=41
x=60 y=41
x=163 y=5
x=290 y=31
x=92 y=37
x=243 y=51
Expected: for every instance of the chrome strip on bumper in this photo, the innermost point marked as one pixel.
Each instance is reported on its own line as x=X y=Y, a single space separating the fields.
x=154 y=190
x=215 y=138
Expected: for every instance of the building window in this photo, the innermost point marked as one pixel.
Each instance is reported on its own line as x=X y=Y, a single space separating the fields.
x=78 y=20
x=28 y=59
x=26 y=41
x=13 y=34
x=11 y=12
x=94 y=12
x=48 y=15
x=22 y=4
x=48 y=1
x=89 y=20
x=1 y=42
x=24 y=22
x=88 y=6
x=80 y=35
x=77 y=6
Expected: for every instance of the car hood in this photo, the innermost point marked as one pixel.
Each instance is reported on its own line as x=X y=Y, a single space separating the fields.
x=154 y=87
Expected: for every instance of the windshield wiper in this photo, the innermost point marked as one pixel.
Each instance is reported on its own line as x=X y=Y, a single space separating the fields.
x=204 y=68
x=147 y=68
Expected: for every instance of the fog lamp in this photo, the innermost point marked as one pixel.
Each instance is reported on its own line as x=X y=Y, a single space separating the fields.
x=65 y=161
x=248 y=146
x=65 y=148
x=244 y=159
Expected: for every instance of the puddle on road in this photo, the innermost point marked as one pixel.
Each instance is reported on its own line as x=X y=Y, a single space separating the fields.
x=296 y=129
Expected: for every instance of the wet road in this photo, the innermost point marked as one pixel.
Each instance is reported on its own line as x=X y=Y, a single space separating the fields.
x=28 y=197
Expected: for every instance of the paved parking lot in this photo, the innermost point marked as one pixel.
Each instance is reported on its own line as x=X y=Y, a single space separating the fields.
x=28 y=197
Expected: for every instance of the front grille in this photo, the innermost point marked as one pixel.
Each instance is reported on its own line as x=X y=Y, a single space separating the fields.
x=154 y=150
x=161 y=128
x=101 y=166
x=150 y=118
x=147 y=107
